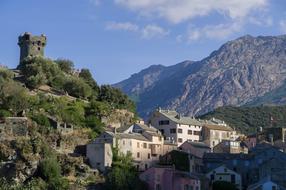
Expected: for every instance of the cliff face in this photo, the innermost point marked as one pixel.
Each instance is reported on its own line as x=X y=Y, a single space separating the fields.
x=239 y=72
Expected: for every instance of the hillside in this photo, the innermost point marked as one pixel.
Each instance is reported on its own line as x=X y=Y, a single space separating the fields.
x=249 y=119
x=238 y=72
x=48 y=113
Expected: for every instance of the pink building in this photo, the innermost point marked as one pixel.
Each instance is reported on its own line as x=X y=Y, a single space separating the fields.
x=167 y=178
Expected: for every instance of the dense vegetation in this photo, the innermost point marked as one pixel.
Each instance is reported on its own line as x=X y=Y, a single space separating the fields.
x=123 y=175
x=68 y=97
x=249 y=119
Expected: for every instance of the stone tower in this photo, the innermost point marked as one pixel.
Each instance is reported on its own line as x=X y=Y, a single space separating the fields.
x=31 y=45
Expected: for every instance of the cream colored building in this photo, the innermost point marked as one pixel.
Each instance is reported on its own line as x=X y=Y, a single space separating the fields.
x=176 y=127
x=213 y=134
x=145 y=143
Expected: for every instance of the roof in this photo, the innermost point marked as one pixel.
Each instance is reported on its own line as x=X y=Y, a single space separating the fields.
x=177 y=118
x=226 y=156
x=136 y=136
x=261 y=182
x=218 y=127
x=197 y=144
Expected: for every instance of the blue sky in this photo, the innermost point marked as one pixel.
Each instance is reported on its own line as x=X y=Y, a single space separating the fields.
x=116 y=38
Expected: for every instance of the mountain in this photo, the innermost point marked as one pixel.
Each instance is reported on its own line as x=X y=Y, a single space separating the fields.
x=249 y=119
x=239 y=72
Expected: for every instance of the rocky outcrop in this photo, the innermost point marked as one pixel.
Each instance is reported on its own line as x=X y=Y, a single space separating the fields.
x=238 y=72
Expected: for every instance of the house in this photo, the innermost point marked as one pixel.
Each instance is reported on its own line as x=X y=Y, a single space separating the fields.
x=213 y=134
x=144 y=143
x=222 y=173
x=195 y=148
x=265 y=184
x=240 y=163
x=230 y=146
x=250 y=165
x=167 y=178
x=176 y=127
x=275 y=133
x=14 y=125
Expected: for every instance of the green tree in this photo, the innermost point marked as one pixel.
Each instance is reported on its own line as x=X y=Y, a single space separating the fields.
x=123 y=175
x=50 y=171
x=78 y=88
x=65 y=65
x=87 y=77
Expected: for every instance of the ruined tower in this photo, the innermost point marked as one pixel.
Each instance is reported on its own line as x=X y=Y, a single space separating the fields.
x=31 y=45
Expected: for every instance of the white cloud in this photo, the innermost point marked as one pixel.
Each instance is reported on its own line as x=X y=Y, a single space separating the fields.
x=152 y=31
x=146 y=32
x=221 y=31
x=177 y=11
x=282 y=25
x=127 y=26
x=95 y=2
x=261 y=21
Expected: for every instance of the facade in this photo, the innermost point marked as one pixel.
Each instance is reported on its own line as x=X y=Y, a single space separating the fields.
x=231 y=147
x=167 y=178
x=31 y=45
x=175 y=127
x=265 y=184
x=222 y=173
x=195 y=148
x=213 y=134
x=14 y=125
x=144 y=143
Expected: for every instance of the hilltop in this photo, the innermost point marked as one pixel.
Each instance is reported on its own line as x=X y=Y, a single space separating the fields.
x=239 y=72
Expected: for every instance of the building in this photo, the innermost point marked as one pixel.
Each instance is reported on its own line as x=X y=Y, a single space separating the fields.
x=265 y=184
x=231 y=147
x=222 y=173
x=213 y=134
x=167 y=178
x=176 y=127
x=14 y=126
x=195 y=148
x=183 y=161
x=144 y=143
x=275 y=133
x=31 y=45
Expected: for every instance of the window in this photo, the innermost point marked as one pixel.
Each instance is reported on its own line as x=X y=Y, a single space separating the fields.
x=186 y=187
x=138 y=145
x=149 y=156
x=197 y=133
x=145 y=145
x=180 y=130
x=233 y=178
x=39 y=48
x=146 y=166
x=158 y=187
x=172 y=130
x=190 y=132
x=164 y=122
x=212 y=177
x=162 y=131
x=138 y=154
x=123 y=142
x=180 y=140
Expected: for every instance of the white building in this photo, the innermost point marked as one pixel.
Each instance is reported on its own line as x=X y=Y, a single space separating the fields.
x=145 y=143
x=175 y=127
x=222 y=173
x=265 y=184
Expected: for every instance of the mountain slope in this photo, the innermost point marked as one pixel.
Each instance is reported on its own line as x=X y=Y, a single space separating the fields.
x=249 y=119
x=237 y=73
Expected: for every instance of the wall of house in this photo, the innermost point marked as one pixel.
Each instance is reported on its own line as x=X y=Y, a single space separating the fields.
x=99 y=155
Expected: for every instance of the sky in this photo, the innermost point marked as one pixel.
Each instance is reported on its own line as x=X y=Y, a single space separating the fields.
x=117 y=38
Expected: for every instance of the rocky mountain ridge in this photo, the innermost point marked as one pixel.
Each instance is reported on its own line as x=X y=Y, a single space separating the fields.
x=239 y=72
